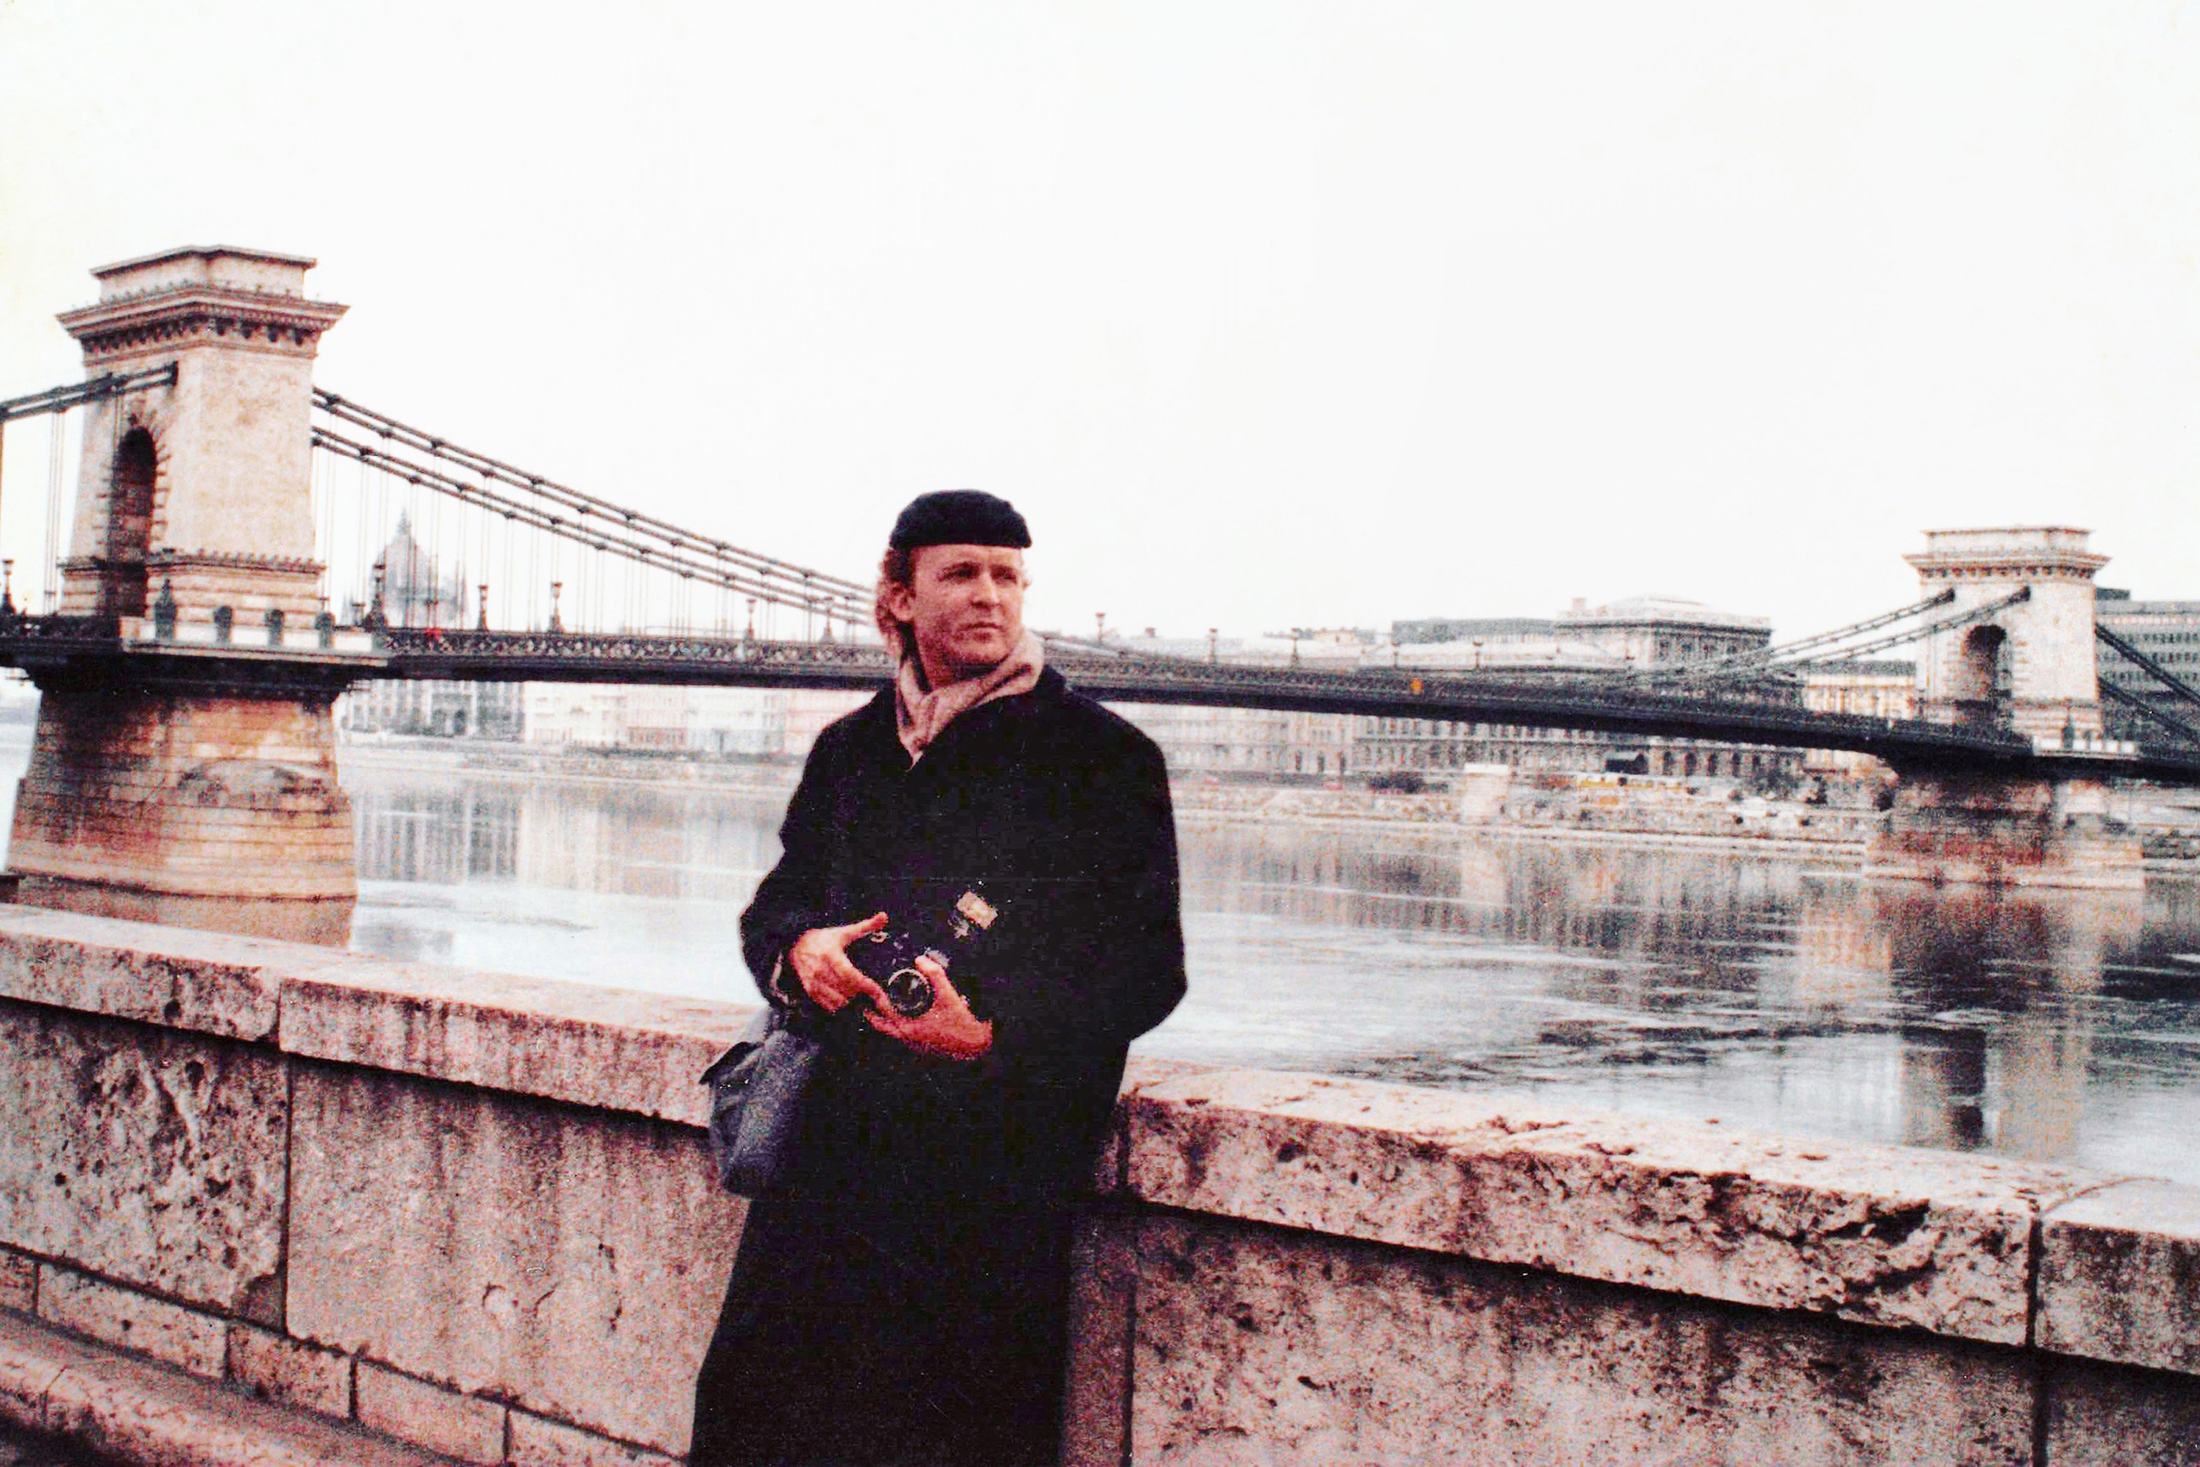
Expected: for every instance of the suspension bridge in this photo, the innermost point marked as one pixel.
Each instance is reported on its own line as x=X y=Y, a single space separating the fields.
x=242 y=545
x=416 y=535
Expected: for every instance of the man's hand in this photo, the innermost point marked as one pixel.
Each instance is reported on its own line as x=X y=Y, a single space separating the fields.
x=947 y=1029
x=819 y=958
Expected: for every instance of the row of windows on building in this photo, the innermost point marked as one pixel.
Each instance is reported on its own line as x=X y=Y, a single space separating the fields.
x=662 y=719
x=1238 y=742
x=2168 y=632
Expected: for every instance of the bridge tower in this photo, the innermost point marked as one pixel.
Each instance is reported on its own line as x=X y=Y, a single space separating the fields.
x=2027 y=664
x=196 y=786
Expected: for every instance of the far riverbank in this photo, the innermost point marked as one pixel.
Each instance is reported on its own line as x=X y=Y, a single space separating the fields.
x=1598 y=810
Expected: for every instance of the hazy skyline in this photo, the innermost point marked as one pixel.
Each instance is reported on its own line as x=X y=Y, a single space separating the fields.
x=1290 y=314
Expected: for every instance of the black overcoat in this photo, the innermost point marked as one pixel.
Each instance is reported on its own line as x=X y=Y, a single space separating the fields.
x=904 y=1300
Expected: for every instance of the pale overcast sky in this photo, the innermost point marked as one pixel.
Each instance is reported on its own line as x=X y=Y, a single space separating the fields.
x=1266 y=314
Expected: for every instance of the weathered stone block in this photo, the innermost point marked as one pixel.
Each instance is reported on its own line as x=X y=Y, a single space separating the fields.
x=148 y=1156
x=2120 y=1276
x=2112 y=1416
x=133 y=970
x=137 y=1322
x=1102 y=1314
x=1110 y=1168
x=31 y=1360
x=464 y=1427
x=127 y=1410
x=18 y=1282
x=568 y=1261
x=1261 y=1346
x=540 y=1443
x=641 y=1053
x=1877 y=1234
x=277 y=1368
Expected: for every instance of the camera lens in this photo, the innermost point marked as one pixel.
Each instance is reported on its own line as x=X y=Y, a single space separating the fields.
x=909 y=991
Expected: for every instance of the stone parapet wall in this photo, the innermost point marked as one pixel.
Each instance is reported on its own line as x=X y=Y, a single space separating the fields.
x=471 y=1212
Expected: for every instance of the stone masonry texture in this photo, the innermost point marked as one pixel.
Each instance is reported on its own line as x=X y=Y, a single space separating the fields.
x=202 y=982
x=277 y=1368
x=640 y=1053
x=147 y=1156
x=1875 y=1234
x=136 y=1322
x=540 y=1443
x=567 y=1261
x=501 y=1236
x=460 y=1426
x=18 y=1281
x=127 y=1410
x=2120 y=1276
x=2105 y=1417
x=1263 y=1346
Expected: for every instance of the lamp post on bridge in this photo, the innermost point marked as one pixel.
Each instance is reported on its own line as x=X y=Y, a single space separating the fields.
x=378 y=616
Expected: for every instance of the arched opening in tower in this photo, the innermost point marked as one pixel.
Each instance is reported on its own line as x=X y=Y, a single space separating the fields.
x=129 y=526
x=1982 y=677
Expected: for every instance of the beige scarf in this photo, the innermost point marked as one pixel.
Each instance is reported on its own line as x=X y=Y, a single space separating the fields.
x=921 y=714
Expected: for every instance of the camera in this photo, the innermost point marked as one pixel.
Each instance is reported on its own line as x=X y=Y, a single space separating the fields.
x=889 y=956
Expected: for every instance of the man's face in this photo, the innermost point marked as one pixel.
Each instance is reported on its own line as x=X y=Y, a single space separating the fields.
x=966 y=605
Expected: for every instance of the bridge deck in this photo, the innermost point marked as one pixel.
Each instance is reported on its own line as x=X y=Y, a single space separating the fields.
x=81 y=647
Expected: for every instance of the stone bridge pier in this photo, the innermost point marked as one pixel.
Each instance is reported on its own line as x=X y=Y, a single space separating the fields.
x=186 y=773
x=2027 y=665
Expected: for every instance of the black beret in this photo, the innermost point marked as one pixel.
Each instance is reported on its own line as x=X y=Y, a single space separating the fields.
x=959 y=517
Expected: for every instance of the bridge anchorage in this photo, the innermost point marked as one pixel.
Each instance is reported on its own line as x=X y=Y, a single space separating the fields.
x=246 y=546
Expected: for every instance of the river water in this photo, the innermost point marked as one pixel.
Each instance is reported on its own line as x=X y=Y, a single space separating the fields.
x=1770 y=990
x=1773 y=991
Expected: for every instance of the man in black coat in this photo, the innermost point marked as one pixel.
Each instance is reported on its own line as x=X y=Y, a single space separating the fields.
x=904 y=1299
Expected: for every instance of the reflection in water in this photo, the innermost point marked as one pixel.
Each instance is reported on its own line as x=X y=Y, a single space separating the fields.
x=1770 y=992
x=636 y=885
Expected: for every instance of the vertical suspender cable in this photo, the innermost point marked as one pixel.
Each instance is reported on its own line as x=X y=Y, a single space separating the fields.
x=378 y=546
x=359 y=568
x=52 y=572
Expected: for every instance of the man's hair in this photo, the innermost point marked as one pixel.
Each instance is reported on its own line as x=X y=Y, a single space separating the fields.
x=895 y=568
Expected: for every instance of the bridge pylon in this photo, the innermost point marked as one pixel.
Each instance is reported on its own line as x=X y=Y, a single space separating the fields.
x=2019 y=657
x=198 y=786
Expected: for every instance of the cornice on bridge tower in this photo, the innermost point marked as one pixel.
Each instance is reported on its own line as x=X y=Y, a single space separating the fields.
x=229 y=519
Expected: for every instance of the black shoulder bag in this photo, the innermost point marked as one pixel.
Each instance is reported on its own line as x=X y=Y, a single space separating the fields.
x=756 y=1093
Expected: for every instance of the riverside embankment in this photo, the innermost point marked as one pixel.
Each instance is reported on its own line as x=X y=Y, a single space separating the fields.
x=269 y=1203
